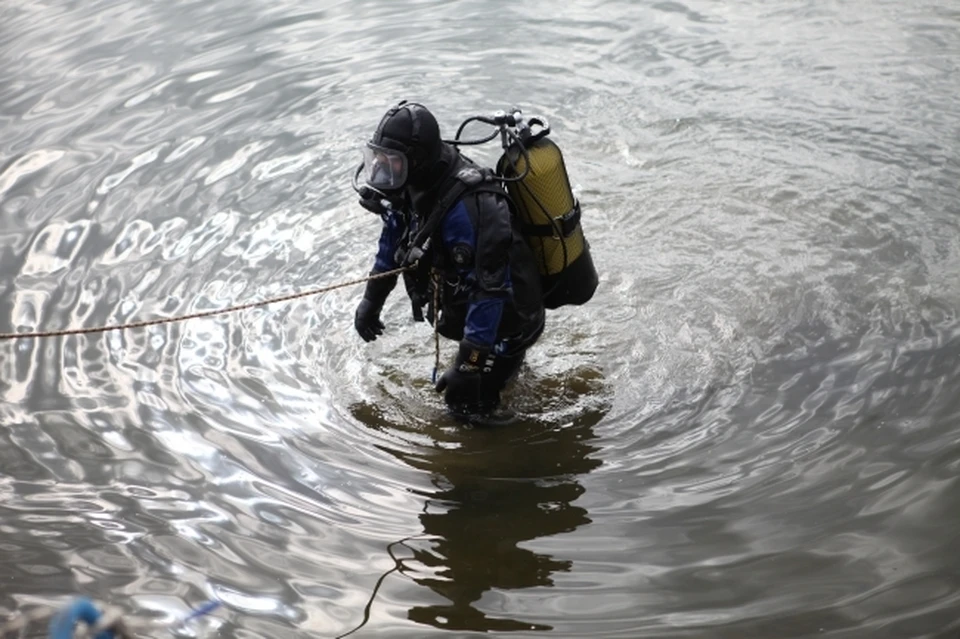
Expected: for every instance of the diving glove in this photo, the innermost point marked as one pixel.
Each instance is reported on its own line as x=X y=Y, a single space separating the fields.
x=417 y=294
x=367 y=317
x=462 y=383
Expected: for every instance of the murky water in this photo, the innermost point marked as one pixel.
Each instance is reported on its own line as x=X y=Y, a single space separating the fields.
x=751 y=431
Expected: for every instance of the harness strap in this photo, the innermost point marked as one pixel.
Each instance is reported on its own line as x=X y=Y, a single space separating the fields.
x=468 y=178
x=566 y=223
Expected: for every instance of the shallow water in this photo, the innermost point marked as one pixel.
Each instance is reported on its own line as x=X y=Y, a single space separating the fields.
x=750 y=431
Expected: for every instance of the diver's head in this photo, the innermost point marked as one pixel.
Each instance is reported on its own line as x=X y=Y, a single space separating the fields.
x=404 y=150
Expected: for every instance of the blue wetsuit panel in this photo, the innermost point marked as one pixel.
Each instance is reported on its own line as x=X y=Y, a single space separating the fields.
x=392 y=232
x=485 y=308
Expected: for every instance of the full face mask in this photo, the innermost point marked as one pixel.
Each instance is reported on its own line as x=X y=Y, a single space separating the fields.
x=403 y=150
x=384 y=169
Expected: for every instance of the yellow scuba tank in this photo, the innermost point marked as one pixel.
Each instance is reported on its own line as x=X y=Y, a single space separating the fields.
x=550 y=219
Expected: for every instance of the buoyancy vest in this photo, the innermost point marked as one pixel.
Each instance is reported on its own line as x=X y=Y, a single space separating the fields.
x=426 y=249
x=548 y=212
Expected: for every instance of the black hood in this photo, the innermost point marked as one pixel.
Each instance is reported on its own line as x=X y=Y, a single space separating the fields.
x=425 y=193
x=411 y=129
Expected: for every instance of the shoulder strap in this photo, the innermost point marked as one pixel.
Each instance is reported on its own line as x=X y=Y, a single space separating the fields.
x=468 y=178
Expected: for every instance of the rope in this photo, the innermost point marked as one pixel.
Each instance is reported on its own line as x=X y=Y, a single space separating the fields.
x=199 y=314
x=397 y=567
x=436 y=325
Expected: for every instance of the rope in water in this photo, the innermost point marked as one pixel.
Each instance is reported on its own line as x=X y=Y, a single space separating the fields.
x=436 y=325
x=199 y=314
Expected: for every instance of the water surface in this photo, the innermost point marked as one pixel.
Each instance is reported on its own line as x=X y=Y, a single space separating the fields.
x=750 y=431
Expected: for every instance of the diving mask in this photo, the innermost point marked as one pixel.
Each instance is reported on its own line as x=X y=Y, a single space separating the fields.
x=384 y=169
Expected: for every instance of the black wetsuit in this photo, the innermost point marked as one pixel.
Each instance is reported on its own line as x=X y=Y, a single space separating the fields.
x=490 y=291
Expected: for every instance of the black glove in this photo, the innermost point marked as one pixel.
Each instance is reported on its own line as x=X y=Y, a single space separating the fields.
x=367 y=318
x=416 y=306
x=462 y=381
x=417 y=298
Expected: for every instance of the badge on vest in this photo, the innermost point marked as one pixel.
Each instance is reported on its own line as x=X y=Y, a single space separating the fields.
x=470 y=176
x=462 y=255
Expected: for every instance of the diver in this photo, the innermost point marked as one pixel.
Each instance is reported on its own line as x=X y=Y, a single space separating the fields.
x=468 y=252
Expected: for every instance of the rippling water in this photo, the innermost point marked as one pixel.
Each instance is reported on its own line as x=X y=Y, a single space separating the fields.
x=751 y=431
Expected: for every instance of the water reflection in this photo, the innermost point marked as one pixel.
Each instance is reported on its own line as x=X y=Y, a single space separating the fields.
x=494 y=490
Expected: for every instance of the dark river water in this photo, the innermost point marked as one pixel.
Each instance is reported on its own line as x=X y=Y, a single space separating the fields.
x=752 y=430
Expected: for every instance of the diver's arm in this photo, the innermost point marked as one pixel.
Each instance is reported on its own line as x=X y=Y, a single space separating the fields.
x=366 y=319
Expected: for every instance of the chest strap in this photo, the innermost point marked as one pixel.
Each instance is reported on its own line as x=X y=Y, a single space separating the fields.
x=469 y=178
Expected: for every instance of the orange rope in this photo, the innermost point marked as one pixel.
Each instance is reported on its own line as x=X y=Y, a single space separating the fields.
x=197 y=315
